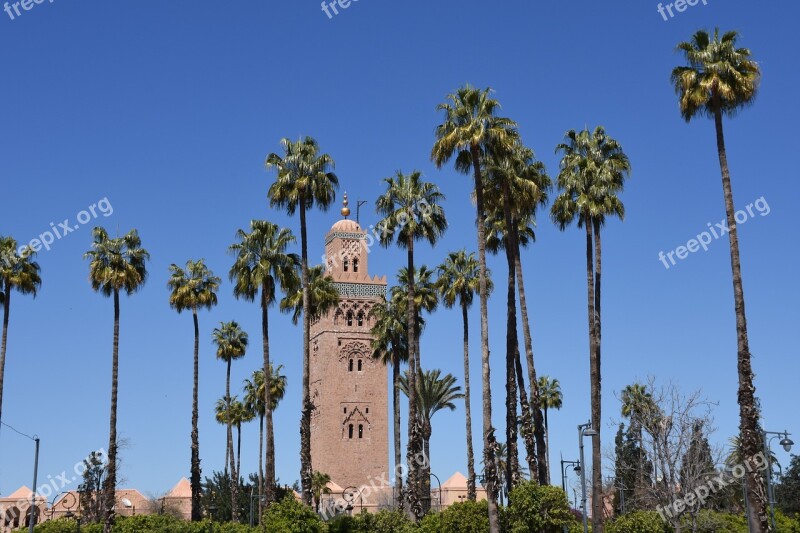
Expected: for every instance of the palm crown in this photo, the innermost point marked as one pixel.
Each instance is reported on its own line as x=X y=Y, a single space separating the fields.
x=193 y=288
x=411 y=210
x=254 y=390
x=322 y=291
x=304 y=176
x=459 y=279
x=117 y=264
x=18 y=271
x=231 y=341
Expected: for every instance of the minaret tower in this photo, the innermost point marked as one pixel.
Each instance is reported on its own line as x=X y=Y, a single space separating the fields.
x=350 y=422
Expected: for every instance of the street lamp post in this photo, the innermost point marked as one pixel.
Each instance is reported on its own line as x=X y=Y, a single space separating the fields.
x=575 y=465
x=584 y=430
x=440 y=490
x=787 y=444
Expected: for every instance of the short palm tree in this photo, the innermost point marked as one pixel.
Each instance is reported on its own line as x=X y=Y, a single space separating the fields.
x=470 y=127
x=254 y=396
x=390 y=346
x=305 y=180
x=18 y=271
x=231 y=341
x=239 y=414
x=719 y=80
x=192 y=289
x=592 y=173
x=434 y=393
x=411 y=212
x=115 y=265
x=319 y=486
x=261 y=264
x=551 y=398
x=638 y=407
x=458 y=281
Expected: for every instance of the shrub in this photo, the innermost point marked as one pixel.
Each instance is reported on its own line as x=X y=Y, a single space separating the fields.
x=465 y=517
x=639 y=522
x=65 y=525
x=536 y=508
x=383 y=521
x=291 y=516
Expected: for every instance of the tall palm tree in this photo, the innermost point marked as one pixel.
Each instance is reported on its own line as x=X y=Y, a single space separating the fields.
x=261 y=264
x=239 y=414
x=719 y=80
x=192 y=289
x=592 y=173
x=458 y=281
x=319 y=486
x=470 y=127
x=390 y=346
x=434 y=393
x=411 y=212
x=517 y=186
x=115 y=265
x=18 y=271
x=323 y=295
x=305 y=180
x=231 y=341
x=551 y=398
x=254 y=401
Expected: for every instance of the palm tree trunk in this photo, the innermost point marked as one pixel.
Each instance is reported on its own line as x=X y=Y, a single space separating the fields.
x=471 y=493
x=547 y=443
x=232 y=456
x=542 y=447
x=748 y=411
x=426 y=446
x=526 y=424
x=308 y=407
x=238 y=457
x=512 y=346
x=110 y=489
x=3 y=343
x=269 y=481
x=413 y=489
x=195 y=465
x=398 y=457
x=260 y=466
x=594 y=376
x=489 y=440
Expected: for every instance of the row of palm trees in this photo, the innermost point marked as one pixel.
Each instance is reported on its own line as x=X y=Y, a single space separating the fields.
x=717 y=80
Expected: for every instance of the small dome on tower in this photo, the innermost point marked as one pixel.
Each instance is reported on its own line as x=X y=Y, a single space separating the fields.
x=348 y=226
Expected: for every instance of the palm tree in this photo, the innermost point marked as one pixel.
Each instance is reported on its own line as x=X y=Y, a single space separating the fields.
x=305 y=180
x=719 y=80
x=517 y=186
x=412 y=212
x=323 y=295
x=551 y=398
x=231 y=341
x=18 y=271
x=254 y=399
x=458 y=281
x=319 y=486
x=638 y=407
x=390 y=346
x=239 y=414
x=115 y=265
x=221 y=416
x=593 y=169
x=192 y=289
x=434 y=393
x=261 y=264
x=470 y=127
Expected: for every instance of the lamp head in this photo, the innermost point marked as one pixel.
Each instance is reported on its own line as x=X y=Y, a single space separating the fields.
x=589 y=432
x=787 y=443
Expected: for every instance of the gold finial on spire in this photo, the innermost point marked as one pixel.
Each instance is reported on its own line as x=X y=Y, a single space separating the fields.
x=345 y=209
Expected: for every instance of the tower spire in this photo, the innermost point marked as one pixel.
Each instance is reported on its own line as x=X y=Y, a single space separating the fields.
x=345 y=210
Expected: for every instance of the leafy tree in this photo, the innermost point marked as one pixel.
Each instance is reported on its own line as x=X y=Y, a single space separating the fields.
x=18 y=271
x=290 y=516
x=90 y=504
x=458 y=281
x=115 y=265
x=305 y=180
x=261 y=264
x=592 y=173
x=631 y=470
x=540 y=508
x=192 y=289
x=470 y=127
x=787 y=492
x=217 y=492
x=718 y=80
x=411 y=212
x=231 y=341
x=639 y=522
x=463 y=517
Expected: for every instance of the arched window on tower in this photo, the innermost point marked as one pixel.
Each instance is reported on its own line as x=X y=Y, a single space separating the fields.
x=345 y=264
x=355 y=265
x=360 y=318
x=350 y=367
x=350 y=431
x=360 y=431
x=359 y=365
x=349 y=318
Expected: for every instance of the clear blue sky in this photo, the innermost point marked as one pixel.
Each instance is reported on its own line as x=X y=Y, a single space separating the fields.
x=169 y=109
